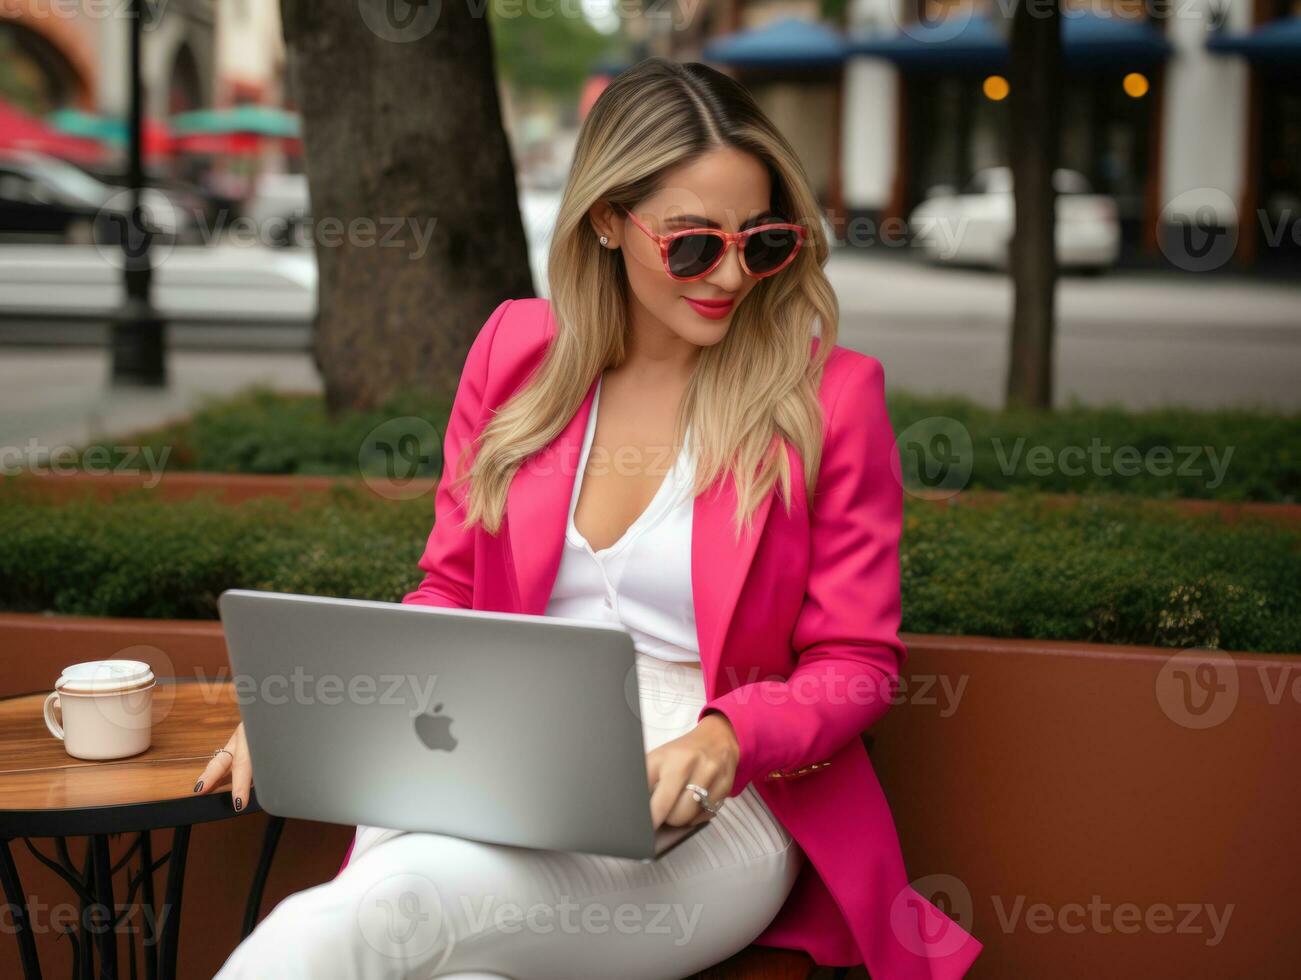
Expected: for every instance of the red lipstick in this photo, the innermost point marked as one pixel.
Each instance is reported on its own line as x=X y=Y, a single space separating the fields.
x=715 y=309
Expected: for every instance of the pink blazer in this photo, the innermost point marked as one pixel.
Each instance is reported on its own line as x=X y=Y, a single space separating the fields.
x=798 y=630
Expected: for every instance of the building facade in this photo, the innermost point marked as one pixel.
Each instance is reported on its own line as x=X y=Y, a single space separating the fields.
x=1188 y=114
x=195 y=54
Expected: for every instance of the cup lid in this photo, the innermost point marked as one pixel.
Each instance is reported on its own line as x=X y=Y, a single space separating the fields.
x=104 y=676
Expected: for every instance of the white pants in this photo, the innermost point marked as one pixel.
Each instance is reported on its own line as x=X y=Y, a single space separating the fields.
x=415 y=905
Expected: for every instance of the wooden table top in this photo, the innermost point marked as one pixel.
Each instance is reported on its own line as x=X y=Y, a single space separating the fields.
x=191 y=719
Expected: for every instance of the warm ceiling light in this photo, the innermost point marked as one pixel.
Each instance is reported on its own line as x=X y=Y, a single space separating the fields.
x=995 y=88
x=1135 y=85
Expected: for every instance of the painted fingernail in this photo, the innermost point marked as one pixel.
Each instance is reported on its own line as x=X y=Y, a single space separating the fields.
x=198 y=786
x=239 y=804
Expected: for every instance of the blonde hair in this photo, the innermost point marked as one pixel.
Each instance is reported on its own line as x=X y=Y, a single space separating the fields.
x=760 y=382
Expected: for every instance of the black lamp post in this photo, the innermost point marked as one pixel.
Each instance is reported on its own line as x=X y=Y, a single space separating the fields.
x=138 y=330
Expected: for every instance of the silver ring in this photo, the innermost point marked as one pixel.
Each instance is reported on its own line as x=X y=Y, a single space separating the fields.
x=227 y=751
x=702 y=797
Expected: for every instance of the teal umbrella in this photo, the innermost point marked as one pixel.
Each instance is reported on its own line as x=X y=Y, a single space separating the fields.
x=75 y=122
x=109 y=129
x=256 y=120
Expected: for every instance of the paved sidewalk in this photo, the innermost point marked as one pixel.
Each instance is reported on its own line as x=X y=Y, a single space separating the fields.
x=62 y=397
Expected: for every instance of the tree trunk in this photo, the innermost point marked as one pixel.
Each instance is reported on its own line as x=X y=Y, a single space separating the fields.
x=1035 y=95
x=415 y=215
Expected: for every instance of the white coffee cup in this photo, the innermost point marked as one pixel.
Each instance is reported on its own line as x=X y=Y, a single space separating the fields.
x=106 y=708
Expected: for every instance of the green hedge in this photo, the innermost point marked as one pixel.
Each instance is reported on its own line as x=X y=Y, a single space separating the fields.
x=262 y=432
x=1106 y=570
x=1175 y=451
x=135 y=557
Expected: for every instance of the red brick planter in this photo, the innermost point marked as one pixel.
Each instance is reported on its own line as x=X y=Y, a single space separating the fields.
x=229 y=488
x=1061 y=796
x=1085 y=809
x=234 y=488
x=1230 y=511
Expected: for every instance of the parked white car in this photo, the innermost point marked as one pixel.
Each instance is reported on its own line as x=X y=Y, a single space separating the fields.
x=974 y=227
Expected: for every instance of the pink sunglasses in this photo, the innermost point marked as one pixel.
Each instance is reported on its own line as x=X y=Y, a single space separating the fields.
x=694 y=253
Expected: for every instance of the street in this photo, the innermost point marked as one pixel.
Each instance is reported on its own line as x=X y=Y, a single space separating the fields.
x=1138 y=339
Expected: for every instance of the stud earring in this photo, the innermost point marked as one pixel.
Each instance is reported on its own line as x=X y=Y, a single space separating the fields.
x=605 y=240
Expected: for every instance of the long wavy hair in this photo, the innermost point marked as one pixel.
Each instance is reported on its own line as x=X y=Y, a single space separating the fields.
x=757 y=386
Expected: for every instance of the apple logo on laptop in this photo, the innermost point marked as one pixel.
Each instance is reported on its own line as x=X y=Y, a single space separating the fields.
x=435 y=730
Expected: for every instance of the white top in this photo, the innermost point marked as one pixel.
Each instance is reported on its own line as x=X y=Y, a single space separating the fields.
x=643 y=580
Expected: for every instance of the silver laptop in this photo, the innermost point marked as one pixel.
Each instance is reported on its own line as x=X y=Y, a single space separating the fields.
x=500 y=727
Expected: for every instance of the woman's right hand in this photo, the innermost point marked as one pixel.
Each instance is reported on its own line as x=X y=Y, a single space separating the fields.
x=233 y=762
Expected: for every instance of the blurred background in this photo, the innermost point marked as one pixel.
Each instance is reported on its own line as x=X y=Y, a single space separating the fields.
x=1179 y=187
x=245 y=246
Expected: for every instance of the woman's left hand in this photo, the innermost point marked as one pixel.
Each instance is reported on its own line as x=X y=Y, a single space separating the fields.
x=707 y=756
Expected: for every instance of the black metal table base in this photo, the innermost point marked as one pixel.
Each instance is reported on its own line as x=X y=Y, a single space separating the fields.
x=95 y=931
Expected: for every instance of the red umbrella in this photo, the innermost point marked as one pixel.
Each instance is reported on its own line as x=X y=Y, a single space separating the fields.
x=592 y=89
x=218 y=144
x=20 y=131
x=156 y=139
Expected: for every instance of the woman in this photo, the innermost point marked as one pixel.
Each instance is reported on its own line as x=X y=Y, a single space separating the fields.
x=614 y=454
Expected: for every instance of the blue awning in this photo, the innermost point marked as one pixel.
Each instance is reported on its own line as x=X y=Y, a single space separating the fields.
x=978 y=43
x=1090 y=38
x=972 y=43
x=1276 y=43
x=789 y=42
